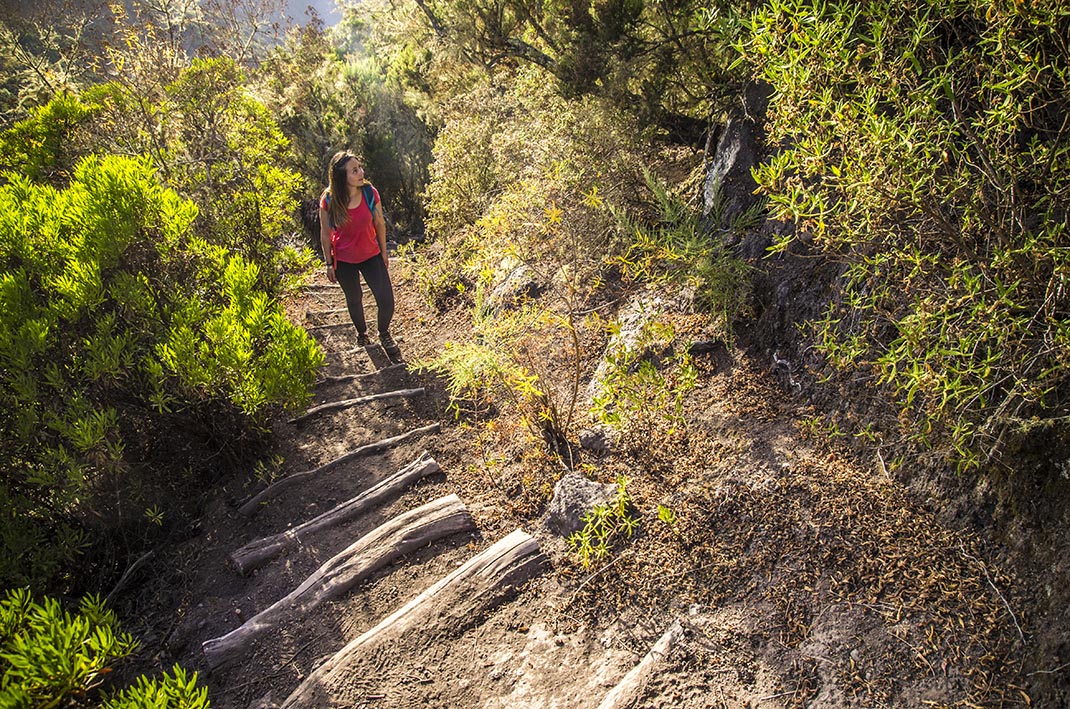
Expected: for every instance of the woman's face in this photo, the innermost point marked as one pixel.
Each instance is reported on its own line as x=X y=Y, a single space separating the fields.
x=354 y=172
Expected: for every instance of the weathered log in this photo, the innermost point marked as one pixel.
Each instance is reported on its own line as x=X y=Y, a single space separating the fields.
x=367 y=375
x=260 y=551
x=630 y=687
x=346 y=403
x=329 y=326
x=455 y=600
x=404 y=533
x=251 y=506
x=310 y=314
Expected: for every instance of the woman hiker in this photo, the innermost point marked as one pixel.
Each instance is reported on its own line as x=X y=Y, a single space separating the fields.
x=353 y=237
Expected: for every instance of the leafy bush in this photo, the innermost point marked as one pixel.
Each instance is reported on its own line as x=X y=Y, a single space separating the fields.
x=925 y=146
x=641 y=397
x=49 y=657
x=47 y=654
x=604 y=526
x=46 y=146
x=211 y=142
x=171 y=691
x=680 y=247
x=511 y=358
x=116 y=321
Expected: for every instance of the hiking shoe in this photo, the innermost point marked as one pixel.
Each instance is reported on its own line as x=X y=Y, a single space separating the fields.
x=389 y=346
x=363 y=340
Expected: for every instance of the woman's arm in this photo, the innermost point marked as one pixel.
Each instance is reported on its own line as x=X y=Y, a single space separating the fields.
x=325 y=241
x=380 y=233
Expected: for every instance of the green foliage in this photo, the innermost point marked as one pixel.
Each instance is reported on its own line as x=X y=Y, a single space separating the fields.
x=111 y=312
x=208 y=139
x=508 y=360
x=603 y=527
x=44 y=55
x=926 y=146
x=662 y=62
x=301 y=82
x=527 y=150
x=514 y=210
x=677 y=248
x=45 y=146
x=325 y=99
x=667 y=516
x=225 y=154
x=171 y=691
x=48 y=655
x=641 y=395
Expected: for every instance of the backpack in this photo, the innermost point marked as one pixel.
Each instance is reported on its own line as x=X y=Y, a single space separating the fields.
x=369 y=199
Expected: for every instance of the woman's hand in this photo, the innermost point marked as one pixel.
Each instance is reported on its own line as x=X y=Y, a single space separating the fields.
x=330 y=273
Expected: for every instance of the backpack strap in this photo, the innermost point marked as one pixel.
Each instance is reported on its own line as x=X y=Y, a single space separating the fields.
x=369 y=198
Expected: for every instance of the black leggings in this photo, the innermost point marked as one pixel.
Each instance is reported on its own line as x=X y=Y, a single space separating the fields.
x=378 y=280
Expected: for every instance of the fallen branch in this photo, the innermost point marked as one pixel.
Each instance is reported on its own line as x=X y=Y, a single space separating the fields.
x=404 y=533
x=128 y=573
x=630 y=687
x=289 y=481
x=260 y=551
x=457 y=599
x=346 y=403
x=992 y=584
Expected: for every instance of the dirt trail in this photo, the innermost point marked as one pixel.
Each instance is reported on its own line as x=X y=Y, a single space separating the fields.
x=501 y=656
x=797 y=577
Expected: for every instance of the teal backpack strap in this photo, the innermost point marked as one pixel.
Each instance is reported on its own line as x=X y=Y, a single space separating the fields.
x=327 y=205
x=369 y=198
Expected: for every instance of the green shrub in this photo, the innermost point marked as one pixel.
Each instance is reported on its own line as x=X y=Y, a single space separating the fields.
x=171 y=691
x=677 y=246
x=116 y=321
x=925 y=145
x=641 y=397
x=45 y=146
x=603 y=527
x=510 y=358
x=50 y=657
x=212 y=142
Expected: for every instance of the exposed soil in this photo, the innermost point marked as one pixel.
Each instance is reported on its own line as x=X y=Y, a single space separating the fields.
x=803 y=574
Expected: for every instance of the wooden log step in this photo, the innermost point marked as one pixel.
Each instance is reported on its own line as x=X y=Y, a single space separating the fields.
x=259 y=551
x=311 y=314
x=456 y=600
x=402 y=534
x=253 y=504
x=346 y=403
x=631 y=686
x=338 y=379
x=329 y=326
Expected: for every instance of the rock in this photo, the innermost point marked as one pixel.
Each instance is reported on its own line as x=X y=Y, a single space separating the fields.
x=728 y=191
x=575 y=496
x=518 y=286
x=707 y=347
x=598 y=440
x=632 y=318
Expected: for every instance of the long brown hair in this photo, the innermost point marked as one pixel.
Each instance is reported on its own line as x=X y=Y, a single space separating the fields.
x=338 y=188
